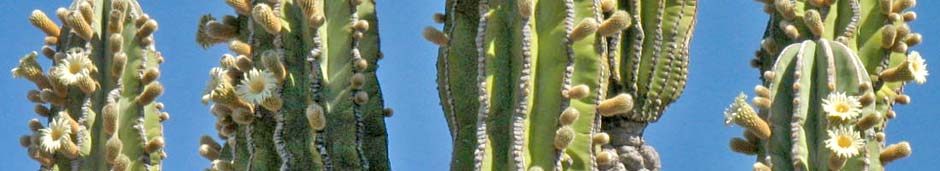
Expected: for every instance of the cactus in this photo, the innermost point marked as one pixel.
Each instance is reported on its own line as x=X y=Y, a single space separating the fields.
x=831 y=74
x=559 y=85
x=300 y=92
x=99 y=95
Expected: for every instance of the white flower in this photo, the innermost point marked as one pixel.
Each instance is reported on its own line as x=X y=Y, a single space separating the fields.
x=844 y=141
x=842 y=107
x=55 y=135
x=256 y=86
x=918 y=67
x=74 y=67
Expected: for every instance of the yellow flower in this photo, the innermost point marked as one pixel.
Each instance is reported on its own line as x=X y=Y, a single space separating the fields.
x=74 y=67
x=918 y=67
x=257 y=85
x=844 y=141
x=51 y=138
x=842 y=107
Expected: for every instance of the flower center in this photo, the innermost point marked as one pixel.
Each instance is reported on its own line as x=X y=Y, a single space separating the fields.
x=916 y=66
x=75 y=67
x=844 y=141
x=56 y=133
x=842 y=108
x=257 y=85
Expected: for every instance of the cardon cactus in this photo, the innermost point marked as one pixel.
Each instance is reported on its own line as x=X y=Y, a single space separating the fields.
x=99 y=95
x=299 y=92
x=560 y=84
x=831 y=74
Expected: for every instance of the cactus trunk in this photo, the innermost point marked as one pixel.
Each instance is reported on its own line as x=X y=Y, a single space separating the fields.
x=539 y=85
x=300 y=92
x=832 y=72
x=99 y=94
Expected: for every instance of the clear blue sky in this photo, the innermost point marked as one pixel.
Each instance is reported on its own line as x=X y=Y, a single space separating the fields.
x=691 y=136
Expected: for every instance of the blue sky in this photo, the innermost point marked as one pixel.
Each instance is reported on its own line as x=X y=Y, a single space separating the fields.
x=691 y=136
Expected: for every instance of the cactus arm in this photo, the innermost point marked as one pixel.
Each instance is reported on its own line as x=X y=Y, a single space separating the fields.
x=376 y=137
x=549 y=60
x=460 y=99
x=344 y=149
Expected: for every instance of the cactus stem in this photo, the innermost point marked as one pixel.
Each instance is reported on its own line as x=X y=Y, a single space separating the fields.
x=481 y=137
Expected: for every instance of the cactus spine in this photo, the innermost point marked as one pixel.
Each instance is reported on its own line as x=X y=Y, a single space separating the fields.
x=99 y=95
x=559 y=85
x=300 y=92
x=831 y=73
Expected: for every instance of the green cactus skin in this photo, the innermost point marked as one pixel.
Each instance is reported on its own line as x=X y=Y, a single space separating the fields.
x=507 y=69
x=113 y=100
x=324 y=45
x=844 y=51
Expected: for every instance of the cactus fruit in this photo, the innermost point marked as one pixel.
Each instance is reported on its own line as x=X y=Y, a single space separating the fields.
x=832 y=73
x=99 y=97
x=559 y=85
x=300 y=91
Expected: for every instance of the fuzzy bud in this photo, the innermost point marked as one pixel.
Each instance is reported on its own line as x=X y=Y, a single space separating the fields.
x=563 y=137
x=115 y=42
x=618 y=21
x=243 y=116
x=436 y=36
x=758 y=166
x=814 y=21
x=525 y=8
x=113 y=148
x=361 y=98
x=388 y=112
x=600 y=138
x=164 y=116
x=620 y=104
x=869 y=121
x=77 y=22
x=35 y=125
x=909 y=16
x=902 y=99
x=121 y=163
x=608 y=5
x=41 y=110
x=786 y=9
x=150 y=93
x=605 y=158
x=117 y=64
x=272 y=103
x=585 y=28
x=361 y=25
x=150 y=74
x=69 y=149
x=895 y=152
x=240 y=48
x=272 y=60
x=743 y=146
x=110 y=114
x=357 y=81
x=264 y=16
x=439 y=18
x=219 y=30
x=361 y=64
x=742 y=114
x=568 y=116
x=41 y=21
x=242 y=7
x=315 y=117
x=901 y=5
x=867 y=99
x=243 y=63
x=208 y=152
x=914 y=39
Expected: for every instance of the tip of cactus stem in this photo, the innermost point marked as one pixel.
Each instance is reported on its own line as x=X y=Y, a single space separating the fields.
x=608 y=5
x=357 y=81
x=525 y=8
x=113 y=149
x=568 y=116
x=600 y=139
x=240 y=48
x=895 y=152
x=243 y=117
x=618 y=21
x=388 y=112
x=315 y=117
x=41 y=21
x=150 y=93
x=585 y=28
x=439 y=18
x=743 y=146
x=361 y=98
x=909 y=16
x=436 y=36
x=869 y=121
x=264 y=16
x=563 y=137
x=605 y=158
x=577 y=92
x=758 y=166
x=620 y=104
x=208 y=152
